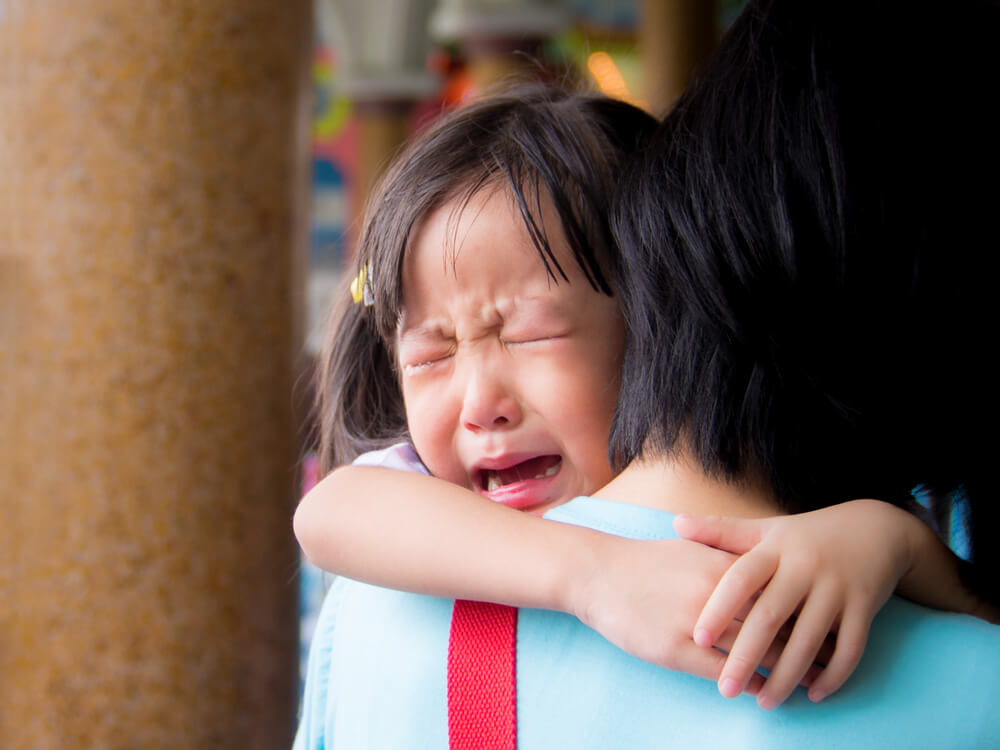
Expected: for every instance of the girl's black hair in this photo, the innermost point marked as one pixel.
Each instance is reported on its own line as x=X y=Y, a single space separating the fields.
x=808 y=242
x=533 y=141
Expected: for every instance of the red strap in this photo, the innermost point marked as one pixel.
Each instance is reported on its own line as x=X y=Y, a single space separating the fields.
x=482 y=677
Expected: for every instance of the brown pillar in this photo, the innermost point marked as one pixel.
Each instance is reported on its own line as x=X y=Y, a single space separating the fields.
x=675 y=38
x=149 y=154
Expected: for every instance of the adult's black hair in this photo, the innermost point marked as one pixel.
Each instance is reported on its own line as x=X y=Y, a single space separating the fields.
x=809 y=247
x=533 y=142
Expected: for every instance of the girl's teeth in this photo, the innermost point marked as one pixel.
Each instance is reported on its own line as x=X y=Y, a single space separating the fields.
x=494 y=482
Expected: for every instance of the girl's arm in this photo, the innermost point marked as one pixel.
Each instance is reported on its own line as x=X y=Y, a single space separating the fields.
x=416 y=533
x=420 y=534
x=829 y=570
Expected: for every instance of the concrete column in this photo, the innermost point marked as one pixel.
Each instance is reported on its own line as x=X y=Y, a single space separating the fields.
x=675 y=38
x=150 y=156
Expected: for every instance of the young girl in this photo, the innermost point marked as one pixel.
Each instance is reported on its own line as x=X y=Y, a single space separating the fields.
x=485 y=257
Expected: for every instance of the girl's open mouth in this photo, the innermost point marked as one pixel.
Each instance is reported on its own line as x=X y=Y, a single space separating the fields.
x=539 y=467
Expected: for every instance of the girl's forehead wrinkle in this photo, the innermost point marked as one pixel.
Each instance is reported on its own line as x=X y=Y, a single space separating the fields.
x=489 y=316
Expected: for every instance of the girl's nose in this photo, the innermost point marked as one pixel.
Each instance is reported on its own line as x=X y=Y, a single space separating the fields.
x=488 y=404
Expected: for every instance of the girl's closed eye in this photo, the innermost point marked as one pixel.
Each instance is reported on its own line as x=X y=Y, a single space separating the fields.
x=424 y=362
x=529 y=343
x=424 y=347
x=535 y=335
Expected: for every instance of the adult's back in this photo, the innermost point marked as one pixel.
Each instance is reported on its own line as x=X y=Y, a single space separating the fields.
x=377 y=678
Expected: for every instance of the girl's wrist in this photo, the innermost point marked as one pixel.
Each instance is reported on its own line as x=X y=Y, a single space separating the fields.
x=585 y=573
x=575 y=565
x=901 y=533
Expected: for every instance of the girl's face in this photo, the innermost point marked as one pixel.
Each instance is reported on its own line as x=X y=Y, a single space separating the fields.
x=509 y=378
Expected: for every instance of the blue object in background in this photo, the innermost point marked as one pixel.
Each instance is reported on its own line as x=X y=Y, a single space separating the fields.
x=329 y=215
x=954 y=528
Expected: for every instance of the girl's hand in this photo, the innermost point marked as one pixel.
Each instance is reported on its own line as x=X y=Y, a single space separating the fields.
x=831 y=569
x=645 y=596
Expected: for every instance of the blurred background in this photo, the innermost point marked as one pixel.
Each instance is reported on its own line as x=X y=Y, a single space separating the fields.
x=180 y=183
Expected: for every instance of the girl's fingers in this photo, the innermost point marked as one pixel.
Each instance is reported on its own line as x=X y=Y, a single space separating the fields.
x=770 y=657
x=725 y=642
x=774 y=606
x=814 y=671
x=819 y=662
x=737 y=535
x=811 y=628
x=851 y=639
x=700 y=662
x=826 y=650
x=735 y=591
x=755 y=685
x=708 y=662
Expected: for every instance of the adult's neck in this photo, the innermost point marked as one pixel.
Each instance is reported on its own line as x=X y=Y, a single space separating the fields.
x=678 y=485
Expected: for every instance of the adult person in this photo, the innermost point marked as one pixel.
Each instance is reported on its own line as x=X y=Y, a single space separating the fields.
x=810 y=239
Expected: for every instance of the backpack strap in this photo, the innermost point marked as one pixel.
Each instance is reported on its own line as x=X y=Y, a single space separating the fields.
x=482 y=677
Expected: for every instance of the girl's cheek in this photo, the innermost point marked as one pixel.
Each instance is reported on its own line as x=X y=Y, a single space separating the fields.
x=425 y=414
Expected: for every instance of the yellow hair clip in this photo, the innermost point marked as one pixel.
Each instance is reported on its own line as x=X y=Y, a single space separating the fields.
x=361 y=287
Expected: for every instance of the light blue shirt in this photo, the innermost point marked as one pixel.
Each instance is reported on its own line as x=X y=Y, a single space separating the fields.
x=377 y=678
